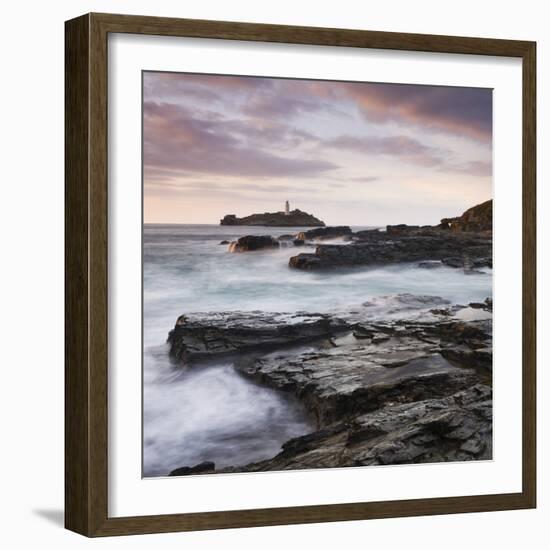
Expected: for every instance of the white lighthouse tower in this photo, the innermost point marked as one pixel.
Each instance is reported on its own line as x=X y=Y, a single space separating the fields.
x=287 y=208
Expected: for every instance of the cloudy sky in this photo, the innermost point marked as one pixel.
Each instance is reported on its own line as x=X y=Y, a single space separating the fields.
x=348 y=152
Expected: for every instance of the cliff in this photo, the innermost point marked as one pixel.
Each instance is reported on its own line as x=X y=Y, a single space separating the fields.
x=477 y=218
x=295 y=218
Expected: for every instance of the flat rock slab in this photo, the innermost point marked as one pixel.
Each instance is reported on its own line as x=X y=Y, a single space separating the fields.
x=343 y=381
x=204 y=335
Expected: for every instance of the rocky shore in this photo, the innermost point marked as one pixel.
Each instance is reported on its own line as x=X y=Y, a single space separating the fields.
x=396 y=379
x=452 y=249
x=464 y=242
x=411 y=386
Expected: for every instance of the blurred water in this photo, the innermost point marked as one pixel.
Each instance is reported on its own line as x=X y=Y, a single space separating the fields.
x=212 y=413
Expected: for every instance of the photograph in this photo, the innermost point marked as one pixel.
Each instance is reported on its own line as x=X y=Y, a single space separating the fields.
x=317 y=274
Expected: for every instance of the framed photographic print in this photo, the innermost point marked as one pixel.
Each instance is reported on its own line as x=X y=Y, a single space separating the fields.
x=300 y=275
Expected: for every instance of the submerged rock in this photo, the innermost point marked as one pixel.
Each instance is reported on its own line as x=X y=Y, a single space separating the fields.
x=400 y=305
x=430 y=264
x=306 y=261
x=250 y=243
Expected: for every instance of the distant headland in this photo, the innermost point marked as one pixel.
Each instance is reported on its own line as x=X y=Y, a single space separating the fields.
x=286 y=218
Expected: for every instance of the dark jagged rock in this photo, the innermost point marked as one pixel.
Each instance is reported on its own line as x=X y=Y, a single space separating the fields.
x=250 y=243
x=380 y=361
x=306 y=261
x=469 y=263
x=464 y=242
x=457 y=427
x=401 y=229
x=204 y=335
x=295 y=218
x=454 y=250
x=368 y=234
x=224 y=242
x=480 y=357
x=323 y=233
x=202 y=468
x=339 y=383
x=453 y=262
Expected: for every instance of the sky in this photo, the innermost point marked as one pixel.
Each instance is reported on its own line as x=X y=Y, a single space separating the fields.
x=351 y=153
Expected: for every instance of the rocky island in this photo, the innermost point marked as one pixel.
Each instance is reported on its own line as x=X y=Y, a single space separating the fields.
x=287 y=218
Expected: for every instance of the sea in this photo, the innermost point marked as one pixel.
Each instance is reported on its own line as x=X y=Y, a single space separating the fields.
x=212 y=413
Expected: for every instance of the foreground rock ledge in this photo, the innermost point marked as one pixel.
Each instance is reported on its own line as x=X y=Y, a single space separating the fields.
x=382 y=390
x=206 y=335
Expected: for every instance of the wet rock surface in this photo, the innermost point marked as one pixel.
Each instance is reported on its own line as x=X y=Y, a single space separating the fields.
x=412 y=385
x=336 y=385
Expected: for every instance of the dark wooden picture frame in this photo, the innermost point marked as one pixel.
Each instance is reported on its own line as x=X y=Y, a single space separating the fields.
x=86 y=294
